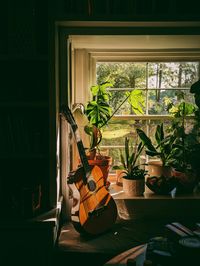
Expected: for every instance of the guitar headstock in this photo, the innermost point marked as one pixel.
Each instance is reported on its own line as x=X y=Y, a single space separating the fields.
x=66 y=112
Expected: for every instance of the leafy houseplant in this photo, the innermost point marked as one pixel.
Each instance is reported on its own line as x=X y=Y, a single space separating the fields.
x=160 y=180
x=195 y=149
x=165 y=148
x=180 y=113
x=131 y=169
x=185 y=168
x=99 y=112
x=129 y=161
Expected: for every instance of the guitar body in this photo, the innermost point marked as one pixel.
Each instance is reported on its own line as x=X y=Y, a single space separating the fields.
x=94 y=211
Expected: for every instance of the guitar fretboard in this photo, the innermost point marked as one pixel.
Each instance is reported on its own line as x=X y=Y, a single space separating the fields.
x=68 y=115
x=83 y=156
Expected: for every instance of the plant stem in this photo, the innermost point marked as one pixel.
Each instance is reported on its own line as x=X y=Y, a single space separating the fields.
x=116 y=110
x=183 y=133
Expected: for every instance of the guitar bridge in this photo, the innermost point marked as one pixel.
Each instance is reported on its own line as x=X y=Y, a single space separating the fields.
x=97 y=211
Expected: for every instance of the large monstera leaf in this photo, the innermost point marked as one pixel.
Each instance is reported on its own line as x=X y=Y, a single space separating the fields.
x=136 y=100
x=98 y=112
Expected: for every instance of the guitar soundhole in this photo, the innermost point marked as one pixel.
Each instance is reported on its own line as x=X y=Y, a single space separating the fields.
x=91 y=185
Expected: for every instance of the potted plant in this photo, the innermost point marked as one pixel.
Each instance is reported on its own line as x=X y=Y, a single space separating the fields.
x=186 y=164
x=133 y=175
x=99 y=112
x=195 y=149
x=164 y=147
x=160 y=178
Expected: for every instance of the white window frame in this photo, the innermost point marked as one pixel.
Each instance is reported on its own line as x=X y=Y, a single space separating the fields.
x=84 y=65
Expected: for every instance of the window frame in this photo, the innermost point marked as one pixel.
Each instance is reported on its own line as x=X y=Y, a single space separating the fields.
x=94 y=56
x=60 y=84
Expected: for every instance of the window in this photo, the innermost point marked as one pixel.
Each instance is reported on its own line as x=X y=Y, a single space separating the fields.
x=162 y=67
x=81 y=46
x=161 y=83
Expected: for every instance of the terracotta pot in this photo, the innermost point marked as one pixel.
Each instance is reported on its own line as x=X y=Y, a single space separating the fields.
x=133 y=188
x=119 y=177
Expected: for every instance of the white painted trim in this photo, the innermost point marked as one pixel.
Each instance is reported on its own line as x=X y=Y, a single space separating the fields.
x=137 y=43
x=81 y=93
x=146 y=56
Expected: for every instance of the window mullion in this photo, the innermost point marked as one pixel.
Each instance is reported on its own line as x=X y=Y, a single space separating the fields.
x=147 y=99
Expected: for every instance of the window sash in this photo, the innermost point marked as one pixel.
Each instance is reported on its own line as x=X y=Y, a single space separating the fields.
x=147 y=117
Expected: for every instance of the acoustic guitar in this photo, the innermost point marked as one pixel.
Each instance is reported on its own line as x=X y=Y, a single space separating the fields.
x=93 y=210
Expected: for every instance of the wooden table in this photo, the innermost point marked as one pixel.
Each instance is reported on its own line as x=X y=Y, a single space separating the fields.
x=137 y=253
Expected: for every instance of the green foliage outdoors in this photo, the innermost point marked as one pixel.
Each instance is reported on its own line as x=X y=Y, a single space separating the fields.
x=167 y=82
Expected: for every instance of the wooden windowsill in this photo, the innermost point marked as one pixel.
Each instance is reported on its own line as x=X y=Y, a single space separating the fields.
x=117 y=193
x=151 y=206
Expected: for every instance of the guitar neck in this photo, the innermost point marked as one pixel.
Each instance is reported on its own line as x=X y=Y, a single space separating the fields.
x=81 y=150
x=66 y=112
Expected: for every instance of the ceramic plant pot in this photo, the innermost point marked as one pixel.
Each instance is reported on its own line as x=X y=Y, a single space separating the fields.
x=155 y=168
x=133 y=188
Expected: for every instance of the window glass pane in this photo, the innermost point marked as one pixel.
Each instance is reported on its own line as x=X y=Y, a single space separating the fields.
x=172 y=74
x=158 y=100
x=114 y=136
x=162 y=83
x=120 y=103
x=114 y=133
x=122 y=74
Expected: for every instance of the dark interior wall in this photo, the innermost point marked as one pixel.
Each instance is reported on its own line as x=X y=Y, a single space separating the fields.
x=27 y=102
x=24 y=105
x=128 y=10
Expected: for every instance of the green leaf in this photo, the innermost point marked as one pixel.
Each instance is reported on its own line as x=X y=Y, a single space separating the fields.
x=159 y=134
x=88 y=130
x=126 y=150
x=94 y=89
x=104 y=86
x=136 y=101
x=122 y=160
x=131 y=159
x=139 y=147
x=118 y=167
x=153 y=153
x=145 y=140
